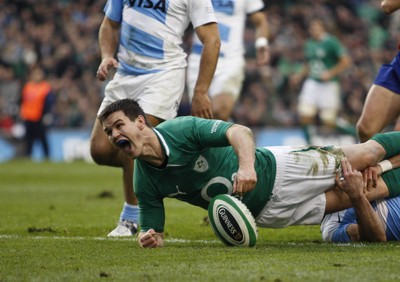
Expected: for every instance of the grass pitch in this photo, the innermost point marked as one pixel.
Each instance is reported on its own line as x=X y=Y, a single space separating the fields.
x=54 y=219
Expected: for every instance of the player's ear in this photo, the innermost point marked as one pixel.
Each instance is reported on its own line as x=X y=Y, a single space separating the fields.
x=141 y=122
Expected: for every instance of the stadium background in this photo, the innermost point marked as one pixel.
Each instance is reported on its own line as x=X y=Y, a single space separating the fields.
x=62 y=35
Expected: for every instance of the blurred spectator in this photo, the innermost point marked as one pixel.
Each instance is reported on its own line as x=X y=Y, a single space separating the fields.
x=36 y=102
x=61 y=35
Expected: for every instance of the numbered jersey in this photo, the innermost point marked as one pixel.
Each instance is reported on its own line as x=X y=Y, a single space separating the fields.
x=199 y=166
x=152 y=30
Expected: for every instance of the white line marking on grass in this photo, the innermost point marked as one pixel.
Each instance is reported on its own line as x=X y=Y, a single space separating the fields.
x=79 y=238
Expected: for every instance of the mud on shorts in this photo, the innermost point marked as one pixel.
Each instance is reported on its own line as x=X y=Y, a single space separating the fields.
x=303 y=174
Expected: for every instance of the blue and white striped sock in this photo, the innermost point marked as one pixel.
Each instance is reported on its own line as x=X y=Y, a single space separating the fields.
x=130 y=213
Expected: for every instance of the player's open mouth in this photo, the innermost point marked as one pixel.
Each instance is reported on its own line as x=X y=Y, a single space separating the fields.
x=123 y=143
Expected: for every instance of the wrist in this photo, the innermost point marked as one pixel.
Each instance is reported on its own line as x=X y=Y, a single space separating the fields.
x=385 y=165
x=261 y=42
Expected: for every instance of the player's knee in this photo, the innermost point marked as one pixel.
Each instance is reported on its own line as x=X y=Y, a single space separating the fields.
x=101 y=153
x=328 y=117
x=363 y=131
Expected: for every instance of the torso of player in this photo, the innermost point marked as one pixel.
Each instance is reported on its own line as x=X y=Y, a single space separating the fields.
x=151 y=32
x=322 y=55
x=231 y=16
x=196 y=176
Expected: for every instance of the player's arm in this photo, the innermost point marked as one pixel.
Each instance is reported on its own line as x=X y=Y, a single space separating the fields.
x=390 y=6
x=209 y=37
x=151 y=239
x=342 y=64
x=368 y=227
x=108 y=42
x=259 y=20
x=242 y=141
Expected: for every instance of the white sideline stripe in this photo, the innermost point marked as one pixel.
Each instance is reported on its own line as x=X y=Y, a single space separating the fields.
x=78 y=238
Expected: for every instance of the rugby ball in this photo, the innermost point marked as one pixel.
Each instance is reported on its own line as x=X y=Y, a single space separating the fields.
x=232 y=222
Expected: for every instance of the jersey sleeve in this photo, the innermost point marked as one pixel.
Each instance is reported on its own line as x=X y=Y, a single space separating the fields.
x=340 y=234
x=113 y=10
x=254 y=6
x=151 y=214
x=210 y=133
x=201 y=12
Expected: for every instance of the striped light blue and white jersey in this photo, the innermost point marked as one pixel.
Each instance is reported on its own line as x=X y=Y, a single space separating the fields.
x=151 y=32
x=231 y=15
x=334 y=227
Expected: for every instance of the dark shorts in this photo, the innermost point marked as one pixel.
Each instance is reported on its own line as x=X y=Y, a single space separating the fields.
x=389 y=75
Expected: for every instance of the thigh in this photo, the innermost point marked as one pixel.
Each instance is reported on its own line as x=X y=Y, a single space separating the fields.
x=381 y=107
x=303 y=175
x=228 y=78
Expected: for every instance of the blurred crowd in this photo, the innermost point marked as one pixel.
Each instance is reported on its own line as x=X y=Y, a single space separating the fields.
x=61 y=37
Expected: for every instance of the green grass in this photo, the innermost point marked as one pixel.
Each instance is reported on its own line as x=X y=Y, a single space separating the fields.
x=54 y=219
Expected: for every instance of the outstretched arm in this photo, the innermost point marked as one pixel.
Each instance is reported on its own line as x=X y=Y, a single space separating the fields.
x=242 y=141
x=368 y=227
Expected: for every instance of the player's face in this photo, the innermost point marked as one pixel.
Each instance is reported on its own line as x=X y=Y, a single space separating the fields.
x=124 y=133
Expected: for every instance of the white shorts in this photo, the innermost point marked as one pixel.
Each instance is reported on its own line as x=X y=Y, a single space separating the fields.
x=303 y=174
x=319 y=95
x=159 y=94
x=228 y=77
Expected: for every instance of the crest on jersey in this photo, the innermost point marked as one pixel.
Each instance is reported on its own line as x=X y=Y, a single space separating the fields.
x=201 y=164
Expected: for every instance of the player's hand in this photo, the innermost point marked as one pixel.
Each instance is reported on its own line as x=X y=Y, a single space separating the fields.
x=105 y=66
x=245 y=181
x=371 y=176
x=263 y=56
x=201 y=106
x=150 y=239
x=351 y=182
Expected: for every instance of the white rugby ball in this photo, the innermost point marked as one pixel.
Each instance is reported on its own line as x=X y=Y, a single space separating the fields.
x=232 y=222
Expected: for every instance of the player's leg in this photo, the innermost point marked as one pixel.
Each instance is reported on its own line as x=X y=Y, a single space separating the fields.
x=381 y=146
x=337 y=200
x=226 y=86
x=307 y=107
x=328 y=102
x=381 y=107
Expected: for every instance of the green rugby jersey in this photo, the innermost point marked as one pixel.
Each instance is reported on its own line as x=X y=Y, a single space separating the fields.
x=200 y=165
x=323 y=55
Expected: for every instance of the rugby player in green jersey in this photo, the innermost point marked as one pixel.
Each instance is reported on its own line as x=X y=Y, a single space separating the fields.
x=194 y=159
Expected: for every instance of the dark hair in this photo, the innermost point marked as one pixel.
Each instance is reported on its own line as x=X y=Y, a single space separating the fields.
x=129 y=107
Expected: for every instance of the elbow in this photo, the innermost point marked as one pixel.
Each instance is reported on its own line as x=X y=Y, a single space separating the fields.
x=387 y=8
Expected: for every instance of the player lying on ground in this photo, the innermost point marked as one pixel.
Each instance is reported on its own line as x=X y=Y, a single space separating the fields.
x=194 y=159
x=377 y=221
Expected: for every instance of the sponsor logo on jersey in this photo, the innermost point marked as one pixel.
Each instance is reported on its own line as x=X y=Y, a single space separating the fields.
x=147 y=4
x=201 y=164
x=215 y=126
x=224 y=6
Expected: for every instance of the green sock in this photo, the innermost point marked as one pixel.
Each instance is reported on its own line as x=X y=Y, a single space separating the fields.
x=392 y=178
x=390 y=141
x=306 y=130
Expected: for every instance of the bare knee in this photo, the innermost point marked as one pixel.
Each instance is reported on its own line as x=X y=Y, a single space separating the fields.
x=364 y=131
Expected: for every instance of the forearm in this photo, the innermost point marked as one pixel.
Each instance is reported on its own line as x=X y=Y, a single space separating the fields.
x=259 y=19
x=341 y=66
x=209 y=37
x=108 y=38
x=370 y=227
x=242 y=140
